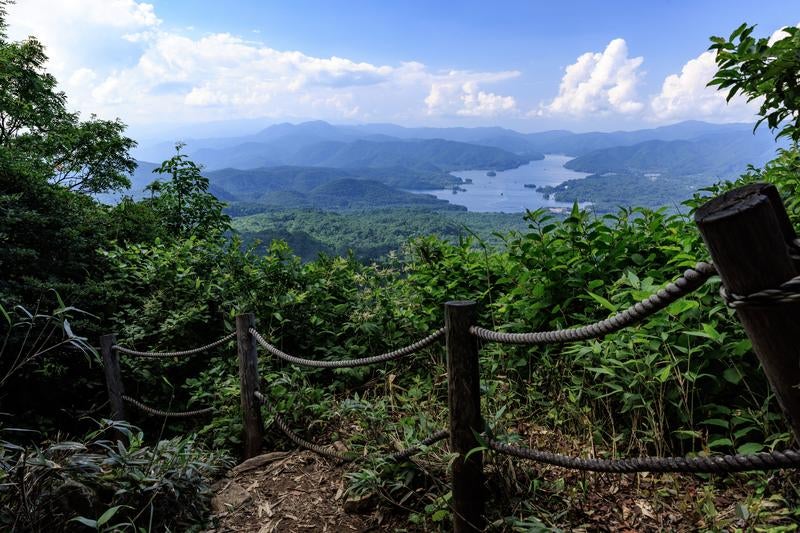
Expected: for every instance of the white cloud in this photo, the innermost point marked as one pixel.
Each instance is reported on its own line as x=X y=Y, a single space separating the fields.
x=779 y=34
x=599 y=83
x=686 y=96
x=116 y=58
x=458 y=93
x=481 y=104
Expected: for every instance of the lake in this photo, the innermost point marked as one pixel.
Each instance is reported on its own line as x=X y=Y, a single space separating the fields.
x=506 y=192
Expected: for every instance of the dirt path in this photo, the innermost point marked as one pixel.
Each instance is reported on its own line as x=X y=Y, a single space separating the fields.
x=302 y=492
x=289 y=491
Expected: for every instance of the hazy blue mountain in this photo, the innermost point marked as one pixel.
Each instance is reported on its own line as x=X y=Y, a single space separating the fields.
x=717 y=154
x=283 y=139
x=144 y=176
x=284 y=136
x=427 y=155
x=577 y=144
x=287 y=143
x=141 y=178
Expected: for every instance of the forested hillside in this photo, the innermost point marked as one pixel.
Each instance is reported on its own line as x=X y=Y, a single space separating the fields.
x=169 y=270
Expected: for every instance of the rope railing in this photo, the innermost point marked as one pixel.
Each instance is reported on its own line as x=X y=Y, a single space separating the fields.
x=349 y=363
x=402 y=455
x=712 y=464
x=158 y=412
x=746 y=231
x=691 y=280
x=786 y=293
x=326 y=451
x=169 y=355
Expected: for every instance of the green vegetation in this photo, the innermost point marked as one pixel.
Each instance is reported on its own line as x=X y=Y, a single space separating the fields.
x=166 y=272
x=247 y=184
x=608 y=192
x=370 y=234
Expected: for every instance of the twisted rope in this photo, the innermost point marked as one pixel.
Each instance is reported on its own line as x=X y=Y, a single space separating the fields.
x=402 y=455
x=158 y=412
x=711 y=465
x=395 y=354
x=691 y=280
x=167 y=355
x=344 y=457
x=786 y=293
x=294 y=437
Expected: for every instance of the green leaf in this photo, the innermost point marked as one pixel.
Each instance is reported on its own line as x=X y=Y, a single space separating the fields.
x=749 y=448
x=720 y=443
x=732 y=375
x=602 y=301
x=439 y=515
x=681 y=306
x=106 y=516
x=716 y=422
x=88 y=522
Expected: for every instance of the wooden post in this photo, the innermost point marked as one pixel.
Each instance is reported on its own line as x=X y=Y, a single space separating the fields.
x=113 y=376
x=464 y=402
x=248 y=379
x=747 y=231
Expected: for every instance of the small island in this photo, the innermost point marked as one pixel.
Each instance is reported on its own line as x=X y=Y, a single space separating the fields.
x=491 y=173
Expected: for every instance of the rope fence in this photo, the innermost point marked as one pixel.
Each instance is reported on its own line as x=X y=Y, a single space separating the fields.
x=755 y=253
x=691 y=280
x=349 y=363
x=326 y=451
x=717 y=464
x=787 y=293
x=158 y=412
x=169 y=355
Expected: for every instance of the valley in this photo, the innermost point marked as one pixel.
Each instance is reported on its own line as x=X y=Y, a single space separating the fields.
x=367 y=189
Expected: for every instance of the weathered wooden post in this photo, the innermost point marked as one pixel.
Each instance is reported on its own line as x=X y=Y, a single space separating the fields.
x=248 y=379
x=747 y=232
x=464 y=402
x=113 y=376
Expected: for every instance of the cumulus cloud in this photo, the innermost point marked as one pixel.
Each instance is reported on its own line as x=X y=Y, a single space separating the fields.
x=686 y=96
x=116 y=58
x=777 y=35
x=599 y=83
x=458 y=93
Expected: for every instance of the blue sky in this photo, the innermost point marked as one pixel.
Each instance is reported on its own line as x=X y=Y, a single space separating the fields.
x=529 y=65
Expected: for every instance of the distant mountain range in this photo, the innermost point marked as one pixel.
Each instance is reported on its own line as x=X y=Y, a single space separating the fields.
x=378 y=145
x=715 y=155
x=317 y=164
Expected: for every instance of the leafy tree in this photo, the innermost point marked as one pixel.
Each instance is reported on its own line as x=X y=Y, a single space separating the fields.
x=771 y=72
x=758 y=69
x=50 y=231
x=183 y=202
x=40 y=137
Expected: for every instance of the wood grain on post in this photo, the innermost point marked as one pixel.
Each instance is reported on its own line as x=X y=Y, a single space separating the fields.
x=747 y=232
x=113 y=376
x=463 y=378
x=248 y=379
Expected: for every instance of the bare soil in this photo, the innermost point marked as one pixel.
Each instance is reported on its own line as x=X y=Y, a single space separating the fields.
x=292 y=492
x=302 y=492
